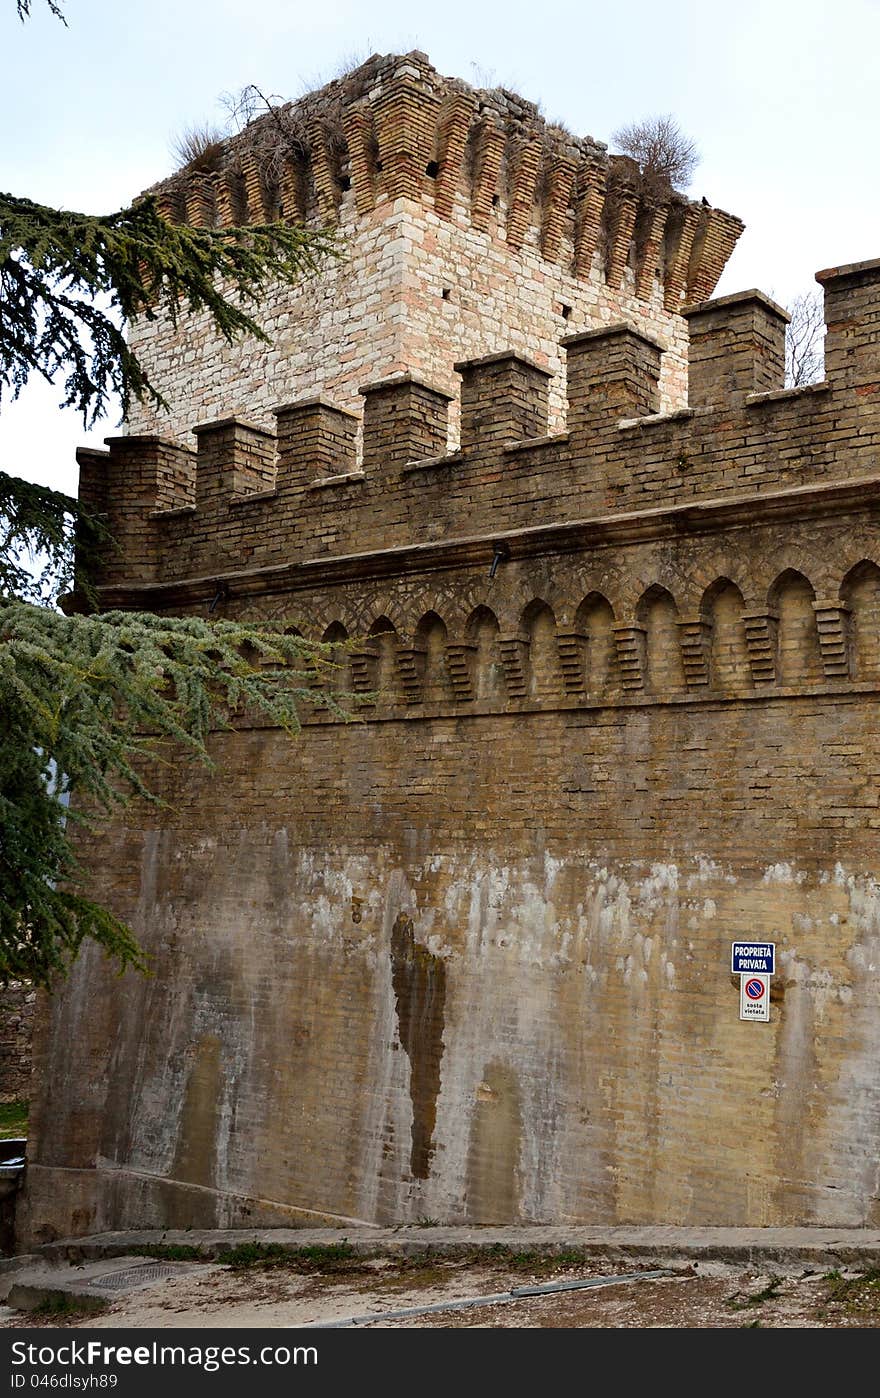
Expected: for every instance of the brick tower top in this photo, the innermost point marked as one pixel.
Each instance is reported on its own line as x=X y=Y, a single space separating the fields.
x=471 y=225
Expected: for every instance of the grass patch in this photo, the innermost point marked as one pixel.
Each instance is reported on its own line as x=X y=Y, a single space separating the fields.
x=407 y=1272
x=532 y=1260
x=330 y=1257
x=858 y=1295
x=13 y=1120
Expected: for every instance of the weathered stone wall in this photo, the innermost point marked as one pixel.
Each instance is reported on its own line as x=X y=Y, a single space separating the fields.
x=469 y=958
x=382 y=310
x=16 y=1030
x=415 y=970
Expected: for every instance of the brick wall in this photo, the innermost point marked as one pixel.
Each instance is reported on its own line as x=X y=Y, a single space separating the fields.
x=577 y=875
x=469 y=957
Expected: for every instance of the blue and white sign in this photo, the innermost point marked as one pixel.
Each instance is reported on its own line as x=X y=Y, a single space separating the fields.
x=753 y=956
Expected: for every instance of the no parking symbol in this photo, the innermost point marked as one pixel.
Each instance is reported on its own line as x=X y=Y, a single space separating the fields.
x=754 y=996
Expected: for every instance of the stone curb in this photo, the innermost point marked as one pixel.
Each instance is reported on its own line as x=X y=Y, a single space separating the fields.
x=821 y=1246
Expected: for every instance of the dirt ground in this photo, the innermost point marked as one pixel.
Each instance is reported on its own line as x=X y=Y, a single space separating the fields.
x=316 y=1289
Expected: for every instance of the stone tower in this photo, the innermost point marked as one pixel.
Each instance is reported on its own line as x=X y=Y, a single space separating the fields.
x=469 y=226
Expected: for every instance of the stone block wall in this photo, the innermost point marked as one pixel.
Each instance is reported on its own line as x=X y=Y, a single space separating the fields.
x=17 y=1008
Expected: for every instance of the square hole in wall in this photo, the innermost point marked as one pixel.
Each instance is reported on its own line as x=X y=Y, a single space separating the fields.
x=565 y=310
x=446 y=293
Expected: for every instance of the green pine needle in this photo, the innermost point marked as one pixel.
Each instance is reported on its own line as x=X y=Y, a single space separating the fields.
x=69 y=281
x=99 y=699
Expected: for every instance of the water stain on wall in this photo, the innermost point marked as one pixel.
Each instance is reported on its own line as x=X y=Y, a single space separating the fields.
x=195 y=1157
x=493 y=1154
x=419 y=981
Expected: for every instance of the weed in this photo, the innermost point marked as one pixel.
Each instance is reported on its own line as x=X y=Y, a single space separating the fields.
x=739 y=1302
x=332 y=1257
x=406 y=1274
x=533 y=1260
x=198 y=148
x=855 y=1294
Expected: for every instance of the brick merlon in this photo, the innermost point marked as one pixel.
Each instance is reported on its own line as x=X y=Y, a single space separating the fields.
x=737 y=298
x=463 y=365
x=304 y=404
x=869 y=270
x=400 y=380
x=145 y=439
x=605 y=332
x=228 y=422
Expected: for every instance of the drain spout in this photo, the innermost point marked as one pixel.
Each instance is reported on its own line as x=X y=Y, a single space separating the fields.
x=501 y=553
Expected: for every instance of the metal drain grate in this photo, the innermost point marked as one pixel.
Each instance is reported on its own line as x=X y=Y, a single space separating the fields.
x=145 y=1274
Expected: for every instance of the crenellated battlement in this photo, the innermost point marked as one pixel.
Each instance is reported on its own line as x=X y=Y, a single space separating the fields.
x=468 y=225
x=394 y=128
x=328 y=483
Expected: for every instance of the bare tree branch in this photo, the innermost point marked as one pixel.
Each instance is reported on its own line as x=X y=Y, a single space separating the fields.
x=804 y=340
x=664 y=154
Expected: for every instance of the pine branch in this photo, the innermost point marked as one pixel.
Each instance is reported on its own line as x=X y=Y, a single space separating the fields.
x=47 y=542
x=101 y=700
x=24 y=9
x=68 y=281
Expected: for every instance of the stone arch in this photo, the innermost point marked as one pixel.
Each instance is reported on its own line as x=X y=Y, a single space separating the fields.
x=280 y=614
x=794 y=558
x=860 y=592
x=658 y=614
x=431 y=639
x=798 y=658
x=539 y=627
x=369 y=610
x=722 y=607
x=449 y=605
x=481 y=631
x=336 y=610
x=382 y=641
x=339 y=675
x=594 y=619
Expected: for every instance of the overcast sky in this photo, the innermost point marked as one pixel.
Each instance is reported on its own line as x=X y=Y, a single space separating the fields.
x=781 y=99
